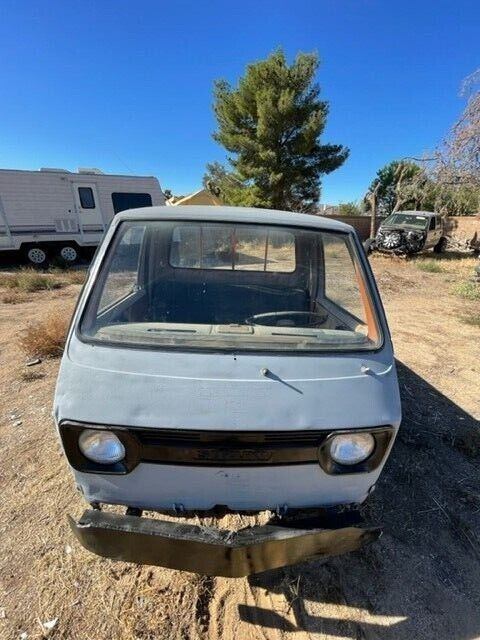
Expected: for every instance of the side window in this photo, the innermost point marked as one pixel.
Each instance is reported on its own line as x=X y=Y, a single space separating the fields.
x=85 y=194
x=432 y=224
x=341 y=282
x=124 y=201
x=439 y=221
x=122 y=277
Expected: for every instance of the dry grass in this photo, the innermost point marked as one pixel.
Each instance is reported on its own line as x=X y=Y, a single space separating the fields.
x=46 y=339
x=427 y=500
x=431 y=266
x=14 y=297
x=29 y=281
x=468 y=290
x=30 y=376
x=70 y=276
x=473 y=319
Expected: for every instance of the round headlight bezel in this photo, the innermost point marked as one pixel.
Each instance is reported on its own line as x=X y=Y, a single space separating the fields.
x=361 y=444
x=98 y=439
x=383 y=436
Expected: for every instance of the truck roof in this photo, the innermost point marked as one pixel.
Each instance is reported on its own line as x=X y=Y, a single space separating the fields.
x=235 y=214
x=418 y=213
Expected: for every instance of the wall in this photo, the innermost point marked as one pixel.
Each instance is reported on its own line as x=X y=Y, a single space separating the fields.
x=361 y=224
x=464 y=228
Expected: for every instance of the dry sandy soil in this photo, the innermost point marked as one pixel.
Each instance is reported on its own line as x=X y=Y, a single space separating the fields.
x=420 y=580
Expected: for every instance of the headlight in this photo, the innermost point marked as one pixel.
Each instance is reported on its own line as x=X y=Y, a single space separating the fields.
x=101 y=446
x=351 y=449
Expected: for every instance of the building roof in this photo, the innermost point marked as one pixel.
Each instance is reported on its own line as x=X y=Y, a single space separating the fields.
x=234 y=214
x=201 y=194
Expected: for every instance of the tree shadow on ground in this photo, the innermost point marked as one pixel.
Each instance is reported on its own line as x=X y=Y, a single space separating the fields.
x=422 y=578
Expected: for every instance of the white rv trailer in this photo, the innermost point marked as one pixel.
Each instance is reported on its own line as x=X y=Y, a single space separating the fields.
x=54 y=212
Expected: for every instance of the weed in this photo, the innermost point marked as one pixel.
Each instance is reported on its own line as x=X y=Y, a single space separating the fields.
x=69 y=276
x=472 y=319
x=468 y=290
x=47 y=338
x=30 y=376
x=14 y=297
x=29 y=280
x=431 y=266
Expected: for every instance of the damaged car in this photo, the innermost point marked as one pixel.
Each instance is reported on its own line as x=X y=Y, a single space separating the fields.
x=226 y=360
x=409 y=232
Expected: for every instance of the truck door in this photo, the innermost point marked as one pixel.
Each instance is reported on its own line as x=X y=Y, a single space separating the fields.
x=88 y=207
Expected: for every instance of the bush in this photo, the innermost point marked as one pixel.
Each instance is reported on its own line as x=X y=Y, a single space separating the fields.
x=431 y=266
x=75 y=276
x=14 y=297
x=47 y=338
x=69 y=276
x=468 y=290
x=29 y=280
x=473 y=319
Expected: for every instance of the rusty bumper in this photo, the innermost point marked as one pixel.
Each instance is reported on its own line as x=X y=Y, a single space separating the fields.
x=210 y=551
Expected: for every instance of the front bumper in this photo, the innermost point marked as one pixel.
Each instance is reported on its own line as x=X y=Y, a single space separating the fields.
x=210 y=551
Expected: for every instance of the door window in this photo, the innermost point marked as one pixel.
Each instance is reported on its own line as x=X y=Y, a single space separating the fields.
x=87 y=200
x=432 y=224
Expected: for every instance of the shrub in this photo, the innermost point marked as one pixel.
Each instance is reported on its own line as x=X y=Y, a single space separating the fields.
x=468 y=290
x=29 y=280
x=75 y=276
x=46 y=338
x=69 y=276
x=473 y=319
x=430 y=265
x=14 y=297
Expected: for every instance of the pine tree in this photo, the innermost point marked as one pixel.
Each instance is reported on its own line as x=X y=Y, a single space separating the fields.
x=271 y=125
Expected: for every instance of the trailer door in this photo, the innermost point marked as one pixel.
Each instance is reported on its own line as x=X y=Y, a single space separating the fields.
x=88 y=207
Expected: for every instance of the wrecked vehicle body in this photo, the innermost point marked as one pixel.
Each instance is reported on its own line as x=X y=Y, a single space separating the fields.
x=227 y=358
x=409 y=232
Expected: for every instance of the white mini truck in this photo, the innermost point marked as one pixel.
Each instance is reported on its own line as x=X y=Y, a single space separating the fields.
x=227 y=359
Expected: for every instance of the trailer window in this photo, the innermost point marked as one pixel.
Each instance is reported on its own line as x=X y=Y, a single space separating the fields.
x=87 y=201
x=124 y=201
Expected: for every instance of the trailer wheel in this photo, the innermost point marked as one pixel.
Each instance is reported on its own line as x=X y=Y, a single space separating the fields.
x=37 y=256
x=68 y=253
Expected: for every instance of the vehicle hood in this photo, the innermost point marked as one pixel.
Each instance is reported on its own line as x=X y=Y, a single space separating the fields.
x=400 y=227
x=148 y=388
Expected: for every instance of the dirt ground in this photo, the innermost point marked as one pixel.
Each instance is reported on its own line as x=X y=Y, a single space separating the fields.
x=420 y=580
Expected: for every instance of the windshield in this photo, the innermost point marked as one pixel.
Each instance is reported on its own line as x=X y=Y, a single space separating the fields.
x=231 y=286
x=406 y=220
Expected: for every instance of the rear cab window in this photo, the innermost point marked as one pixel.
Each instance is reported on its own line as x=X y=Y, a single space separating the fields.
x=210 y=285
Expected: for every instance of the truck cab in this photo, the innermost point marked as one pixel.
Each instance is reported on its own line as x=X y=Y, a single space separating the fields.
x=225 y=357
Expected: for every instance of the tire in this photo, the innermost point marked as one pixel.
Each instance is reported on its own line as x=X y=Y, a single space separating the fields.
x=68 y=253
x=441 y=245
x=369 y=245
x=37 y=256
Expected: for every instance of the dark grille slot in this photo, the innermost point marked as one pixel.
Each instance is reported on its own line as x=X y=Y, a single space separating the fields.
x=229 y=448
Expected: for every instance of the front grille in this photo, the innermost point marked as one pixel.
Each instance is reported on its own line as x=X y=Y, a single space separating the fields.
x=229 y=448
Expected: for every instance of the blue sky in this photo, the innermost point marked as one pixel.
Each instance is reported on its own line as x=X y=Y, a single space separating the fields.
x=127 y=86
